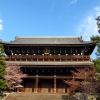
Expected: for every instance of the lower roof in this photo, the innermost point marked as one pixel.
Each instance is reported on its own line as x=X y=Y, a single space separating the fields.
x=49 y=63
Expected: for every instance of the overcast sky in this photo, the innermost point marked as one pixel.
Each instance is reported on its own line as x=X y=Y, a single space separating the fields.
x=48 y=18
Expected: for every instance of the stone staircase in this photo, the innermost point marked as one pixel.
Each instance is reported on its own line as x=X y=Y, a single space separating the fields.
x=36 y=96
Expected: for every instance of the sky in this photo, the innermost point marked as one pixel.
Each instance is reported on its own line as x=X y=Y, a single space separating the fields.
x=48 y=18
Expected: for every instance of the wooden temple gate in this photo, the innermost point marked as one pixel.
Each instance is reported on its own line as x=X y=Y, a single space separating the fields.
x=48 y=60
x=44 y=85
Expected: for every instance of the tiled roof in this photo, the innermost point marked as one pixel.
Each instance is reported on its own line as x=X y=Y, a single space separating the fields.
x=49 y=40
x=49 y=63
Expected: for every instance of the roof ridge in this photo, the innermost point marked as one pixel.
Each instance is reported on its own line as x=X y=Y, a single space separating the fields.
x=47 y=37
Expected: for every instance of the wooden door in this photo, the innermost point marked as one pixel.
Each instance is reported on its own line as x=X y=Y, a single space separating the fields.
x=29 y=85
x=45 y=85
x=61 y=87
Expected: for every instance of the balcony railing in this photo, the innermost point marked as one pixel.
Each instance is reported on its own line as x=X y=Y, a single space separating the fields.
x=48 y=58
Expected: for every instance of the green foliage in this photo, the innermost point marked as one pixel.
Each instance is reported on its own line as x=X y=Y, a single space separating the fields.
x=3 y=84
x=97 y=61
x=98 y=98
x=99 y=77
x=98 y=49
x=95 y=38
x=97 y=64
x=98 y=23
x=1 y=50
x=2 y=68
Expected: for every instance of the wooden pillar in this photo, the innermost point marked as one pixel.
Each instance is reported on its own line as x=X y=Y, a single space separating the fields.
x=36 y=84
x=65 y=50
x=54 y=83
x=38 y=51
x=60 y=50
x=54 y=51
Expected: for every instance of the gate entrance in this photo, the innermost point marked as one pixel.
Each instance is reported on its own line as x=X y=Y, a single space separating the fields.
x=46 y=85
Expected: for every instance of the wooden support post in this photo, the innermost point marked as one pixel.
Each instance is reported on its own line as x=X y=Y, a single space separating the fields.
x=73 y=77
x=38 y=50
x=54 y=83
x=36 y=84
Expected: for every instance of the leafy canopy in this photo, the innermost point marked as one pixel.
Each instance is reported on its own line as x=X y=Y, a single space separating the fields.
x=95 y=38
x=97 y=61
x=3 y=84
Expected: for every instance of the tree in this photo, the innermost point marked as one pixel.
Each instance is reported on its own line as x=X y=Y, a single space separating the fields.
x=97 y=61
x=88 y=82
x=97 y=64
x=98 y=23
x=97 y=39
x=3 y=84
x=14 y=76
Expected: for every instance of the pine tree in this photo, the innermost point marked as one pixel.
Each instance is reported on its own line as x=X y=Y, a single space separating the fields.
x=97 y=39
x=3 y=84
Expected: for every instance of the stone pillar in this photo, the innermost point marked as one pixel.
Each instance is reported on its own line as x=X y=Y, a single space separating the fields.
x=54 y=83
x=36 y=84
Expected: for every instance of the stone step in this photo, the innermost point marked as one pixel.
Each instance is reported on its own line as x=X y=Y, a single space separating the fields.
x=35 y=96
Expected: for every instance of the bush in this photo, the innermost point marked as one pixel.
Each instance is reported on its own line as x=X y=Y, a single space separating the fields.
x=98 y=98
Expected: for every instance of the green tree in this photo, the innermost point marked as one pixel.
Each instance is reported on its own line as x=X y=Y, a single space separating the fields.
x=98 y=23
x=97 y=60
x=3 y=84
x=97 y=39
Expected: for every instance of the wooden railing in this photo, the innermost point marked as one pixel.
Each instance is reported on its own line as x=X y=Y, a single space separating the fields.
x=48 y=58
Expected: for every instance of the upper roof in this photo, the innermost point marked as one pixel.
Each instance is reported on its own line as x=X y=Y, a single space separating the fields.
x=48 y=40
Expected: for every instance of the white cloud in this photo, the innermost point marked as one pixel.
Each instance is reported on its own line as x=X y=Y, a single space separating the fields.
x=88 y=27
x=1 y=26
x=73 y=1
x=97 y=9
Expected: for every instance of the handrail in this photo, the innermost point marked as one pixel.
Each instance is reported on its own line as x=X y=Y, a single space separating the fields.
x=50 y=57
